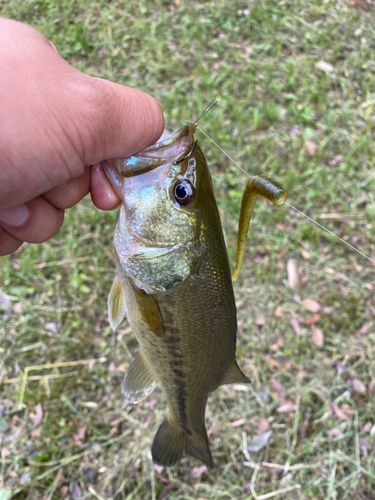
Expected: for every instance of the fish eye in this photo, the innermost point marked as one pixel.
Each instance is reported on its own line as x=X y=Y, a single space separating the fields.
x=183 y=192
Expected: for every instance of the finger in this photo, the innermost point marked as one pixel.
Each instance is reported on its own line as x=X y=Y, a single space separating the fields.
x=120 y=121
x=35 y=221
x=8 y=243
x=70 y=193
x=102 y=193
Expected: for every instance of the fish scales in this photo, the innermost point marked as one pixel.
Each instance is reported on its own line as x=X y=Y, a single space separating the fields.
x=174 y=283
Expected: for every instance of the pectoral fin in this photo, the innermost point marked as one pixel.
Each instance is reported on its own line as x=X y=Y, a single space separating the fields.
x=116 y=304
x=235 y=376
x=139 y=380
x=149 y=309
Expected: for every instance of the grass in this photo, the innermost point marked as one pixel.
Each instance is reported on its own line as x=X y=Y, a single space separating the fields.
x=281 y=116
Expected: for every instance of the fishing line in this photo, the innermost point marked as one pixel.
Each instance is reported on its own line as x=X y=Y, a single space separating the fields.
x=330 y=232
x=208 y=108
x=291 y=206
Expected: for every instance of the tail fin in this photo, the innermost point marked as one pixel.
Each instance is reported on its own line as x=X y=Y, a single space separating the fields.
x=170 y=443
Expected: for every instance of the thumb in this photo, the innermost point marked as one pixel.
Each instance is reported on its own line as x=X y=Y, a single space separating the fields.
x=55 y=120
x=119 y=122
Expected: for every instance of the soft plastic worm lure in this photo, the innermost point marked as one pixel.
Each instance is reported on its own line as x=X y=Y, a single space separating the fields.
x=257 y=186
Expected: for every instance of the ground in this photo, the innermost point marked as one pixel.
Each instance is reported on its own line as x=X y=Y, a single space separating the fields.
x=295 y=82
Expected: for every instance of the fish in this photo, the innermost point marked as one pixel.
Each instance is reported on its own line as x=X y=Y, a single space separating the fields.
x=174 y=285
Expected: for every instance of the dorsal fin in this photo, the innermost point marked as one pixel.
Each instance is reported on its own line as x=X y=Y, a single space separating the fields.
x=116 y=304
x=139 y=380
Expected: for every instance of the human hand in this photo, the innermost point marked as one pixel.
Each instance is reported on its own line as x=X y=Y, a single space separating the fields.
x=57 y=122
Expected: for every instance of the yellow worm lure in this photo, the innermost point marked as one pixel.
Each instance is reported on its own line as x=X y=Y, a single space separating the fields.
x=257 y=186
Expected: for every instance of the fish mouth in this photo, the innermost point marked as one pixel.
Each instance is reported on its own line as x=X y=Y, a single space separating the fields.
x=171 y=148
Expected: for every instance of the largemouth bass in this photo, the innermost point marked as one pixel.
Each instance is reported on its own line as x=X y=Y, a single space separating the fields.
x=174 y=285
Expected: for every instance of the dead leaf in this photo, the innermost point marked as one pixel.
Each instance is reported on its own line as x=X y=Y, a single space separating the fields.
x=279 y=311
x=152 y=404
x=260 y=320
x=91 y=476
x=53 y=327
x=295 y=325
x=126 y=330
x=6 y=405
x=246 y=486
x=36 y=433
x=317 y=336
x=311 y=147
x=80 y=436
x=25 y=478
x=111 y=367
x=198 y=471
x=336 y=160
x=278 y=388
x=311 y=305
x=164 y=492
x=18 y=307
x=301 y=375
x=341 y=368
x=64 y=490
x=258 y=442
x=277 y=345
x=368 y=427
x=364 y=329
x=364 y=445
x=271 y=362
x=262 y=426
x=304 y=279
x=305 y=254
x=158 y=469
x=237 y=423
x=287 y=407
x=357 y=266
x=213 y=430
x=339 y=412
x=37 y=416
x=358 y=386
x=347 y=409
x=311 y=320
x=334 y=432
x=75 y=491
x=324 y=66
x=292 y=270
x=5 y=302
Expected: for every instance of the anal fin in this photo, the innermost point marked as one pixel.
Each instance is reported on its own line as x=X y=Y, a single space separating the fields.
x=116 y=304
x=139 y=380
x=235 y=375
